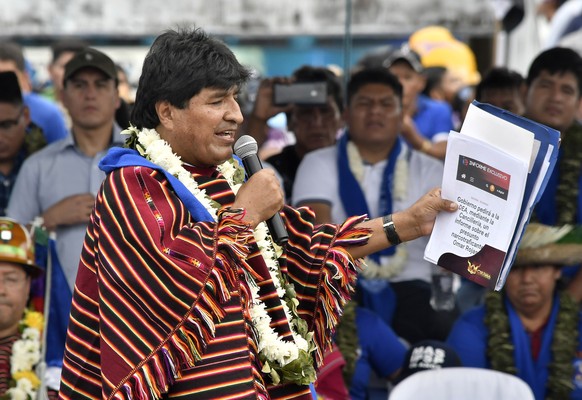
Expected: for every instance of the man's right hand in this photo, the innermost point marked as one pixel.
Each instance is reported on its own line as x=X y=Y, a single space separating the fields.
x=261 y=196
x=264 y=108
x=71 y=210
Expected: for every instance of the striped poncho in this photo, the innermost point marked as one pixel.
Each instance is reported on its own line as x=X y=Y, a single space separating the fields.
x=161 y=306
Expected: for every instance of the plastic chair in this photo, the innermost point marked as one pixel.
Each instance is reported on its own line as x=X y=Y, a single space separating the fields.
x=461 y=383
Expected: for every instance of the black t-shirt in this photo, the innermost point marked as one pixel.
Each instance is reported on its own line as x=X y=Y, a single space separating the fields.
x=286 y=164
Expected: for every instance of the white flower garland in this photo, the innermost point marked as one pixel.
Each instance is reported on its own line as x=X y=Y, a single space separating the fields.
x=26 y=354
x=158 y=151
x=400 y=188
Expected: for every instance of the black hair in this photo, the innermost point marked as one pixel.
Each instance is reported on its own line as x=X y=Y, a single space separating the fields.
x=308 y=73
x=499 y=78
x=178 y=66
x=10 y=51
x=434 y=78
x=373 y=75
x=556 y=60
x=67 y=46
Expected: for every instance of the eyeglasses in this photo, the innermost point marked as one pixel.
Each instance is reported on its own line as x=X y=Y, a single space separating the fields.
x=10 y=123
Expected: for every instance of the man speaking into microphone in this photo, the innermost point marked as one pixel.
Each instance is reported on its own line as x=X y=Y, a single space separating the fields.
x=182 y=291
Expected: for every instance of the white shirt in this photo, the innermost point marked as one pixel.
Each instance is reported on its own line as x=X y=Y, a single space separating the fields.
x=317 y=182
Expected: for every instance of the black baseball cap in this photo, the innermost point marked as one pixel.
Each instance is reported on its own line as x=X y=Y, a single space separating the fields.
x=426 y=355
x=9 y=88
x=90 y=58
x=404 y=53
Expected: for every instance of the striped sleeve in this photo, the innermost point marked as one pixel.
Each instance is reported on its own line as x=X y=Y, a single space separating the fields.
x=322 y=270
x=149 y=290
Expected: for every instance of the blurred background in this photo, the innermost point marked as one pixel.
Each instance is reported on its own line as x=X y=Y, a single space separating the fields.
x=275 y=37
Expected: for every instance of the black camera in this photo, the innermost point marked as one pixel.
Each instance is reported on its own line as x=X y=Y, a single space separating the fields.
x=303 y=93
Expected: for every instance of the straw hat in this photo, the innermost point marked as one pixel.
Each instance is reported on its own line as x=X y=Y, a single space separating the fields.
x=543 y=244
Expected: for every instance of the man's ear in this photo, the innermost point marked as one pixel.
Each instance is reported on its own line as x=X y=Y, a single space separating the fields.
x=165 y=113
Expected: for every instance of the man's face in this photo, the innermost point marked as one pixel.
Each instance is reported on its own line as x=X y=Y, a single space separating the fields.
x=315 y=126
x=14 y=290
x=374 y=115
x=203 y=133
x=13 y=122
x=412 y=83
x=553 y=100
x=529 y=288
x=507 y=98
x=91 y=99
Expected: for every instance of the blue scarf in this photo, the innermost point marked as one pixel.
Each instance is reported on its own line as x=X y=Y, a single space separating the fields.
x=534 y=373
x=376 y=294
x=351 y=194
x=118 y=157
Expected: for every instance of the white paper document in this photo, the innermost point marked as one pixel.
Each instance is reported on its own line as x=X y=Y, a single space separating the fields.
x=495 y=169
x=488 y=185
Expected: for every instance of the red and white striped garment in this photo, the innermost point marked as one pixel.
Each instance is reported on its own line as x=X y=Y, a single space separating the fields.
x=5 y=355
x=161 y=308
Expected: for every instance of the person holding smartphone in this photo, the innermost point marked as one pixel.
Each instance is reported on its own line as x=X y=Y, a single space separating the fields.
x=312 y=101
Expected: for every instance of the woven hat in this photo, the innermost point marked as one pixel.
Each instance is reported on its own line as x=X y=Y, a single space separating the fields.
x=544 y=244
x=17 y=246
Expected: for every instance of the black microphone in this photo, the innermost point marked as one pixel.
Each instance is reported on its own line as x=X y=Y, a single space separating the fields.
x=246 y=149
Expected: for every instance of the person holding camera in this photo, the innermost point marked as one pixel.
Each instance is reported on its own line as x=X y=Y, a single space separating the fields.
x=312 y=101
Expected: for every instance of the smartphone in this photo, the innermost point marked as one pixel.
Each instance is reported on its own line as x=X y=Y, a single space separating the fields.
x=304 y=93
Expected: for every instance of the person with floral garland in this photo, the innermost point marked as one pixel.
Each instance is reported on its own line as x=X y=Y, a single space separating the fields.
x=553 y=98
x=532 y=328
x=372 y=171
x=20 y=327
x=181 y=293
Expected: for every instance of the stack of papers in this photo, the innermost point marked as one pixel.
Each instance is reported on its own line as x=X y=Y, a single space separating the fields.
x=496 y=169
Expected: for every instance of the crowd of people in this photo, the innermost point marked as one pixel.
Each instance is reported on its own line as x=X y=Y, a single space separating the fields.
x=134 y=252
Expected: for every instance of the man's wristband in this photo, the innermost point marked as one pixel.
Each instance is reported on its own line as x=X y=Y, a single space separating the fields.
x=390 y=230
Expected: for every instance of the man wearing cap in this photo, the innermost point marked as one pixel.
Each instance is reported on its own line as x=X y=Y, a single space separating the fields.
x=57 y=186
x=42 y=112
x=532 y=328
x=427 y=122
x=17 y=269
x=18 y=138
